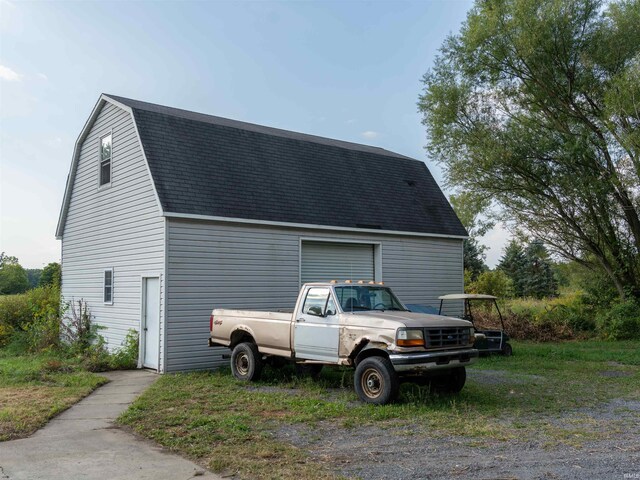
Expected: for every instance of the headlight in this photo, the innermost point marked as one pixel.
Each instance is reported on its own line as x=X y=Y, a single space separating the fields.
x=410 y=338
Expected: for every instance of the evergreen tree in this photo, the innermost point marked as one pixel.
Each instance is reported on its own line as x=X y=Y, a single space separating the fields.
x=513 y=264
x=538 y=281
x=473 y=257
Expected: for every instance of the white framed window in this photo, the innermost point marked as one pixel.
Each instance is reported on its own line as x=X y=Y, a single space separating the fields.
x=105 y=160
x=107 y=286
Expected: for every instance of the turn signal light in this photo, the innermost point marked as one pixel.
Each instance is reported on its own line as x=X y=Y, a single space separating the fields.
x=410 y=338
x=211 y=323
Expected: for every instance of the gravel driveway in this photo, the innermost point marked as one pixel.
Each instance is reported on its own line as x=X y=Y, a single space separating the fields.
x=601 y=443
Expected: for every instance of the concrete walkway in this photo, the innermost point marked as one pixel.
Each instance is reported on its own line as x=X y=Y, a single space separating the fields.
x=83 y=443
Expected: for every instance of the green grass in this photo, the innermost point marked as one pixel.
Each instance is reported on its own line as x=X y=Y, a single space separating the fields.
x=228 y=425
x=35 y=388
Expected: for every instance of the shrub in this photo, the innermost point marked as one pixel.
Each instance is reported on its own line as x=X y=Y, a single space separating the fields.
x=492 y=282
x=15 y=310
x=95 y=356
x=44 y=302
x=43 y=330
x=76 y=329
x=620 y=322
x=42 y=333
x=561 y=318
x=126 y=357
x=6 y=332
x=34 y=314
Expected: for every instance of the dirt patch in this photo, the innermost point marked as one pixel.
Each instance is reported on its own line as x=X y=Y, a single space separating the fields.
x=598 y=443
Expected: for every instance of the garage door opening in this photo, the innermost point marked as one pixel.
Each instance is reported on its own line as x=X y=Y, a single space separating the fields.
x=323 y=261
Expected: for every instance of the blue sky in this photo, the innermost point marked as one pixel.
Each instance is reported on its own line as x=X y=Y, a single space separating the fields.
x=349 y=70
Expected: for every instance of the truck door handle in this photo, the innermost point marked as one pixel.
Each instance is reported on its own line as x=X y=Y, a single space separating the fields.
x=301 y=320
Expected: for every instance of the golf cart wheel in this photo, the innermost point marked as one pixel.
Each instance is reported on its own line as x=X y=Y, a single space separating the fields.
x=507 y=351
x=376 y=381
x=452 y=382
x=246 y=362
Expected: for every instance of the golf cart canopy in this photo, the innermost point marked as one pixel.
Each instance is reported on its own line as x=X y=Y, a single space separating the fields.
x=467 y=296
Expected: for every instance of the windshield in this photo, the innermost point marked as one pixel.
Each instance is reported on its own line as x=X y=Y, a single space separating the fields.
x=367 y=297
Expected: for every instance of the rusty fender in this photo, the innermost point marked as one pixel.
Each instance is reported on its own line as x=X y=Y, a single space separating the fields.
x=355 y=340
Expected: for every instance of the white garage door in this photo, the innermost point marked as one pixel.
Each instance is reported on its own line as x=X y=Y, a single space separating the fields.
x=326 y=261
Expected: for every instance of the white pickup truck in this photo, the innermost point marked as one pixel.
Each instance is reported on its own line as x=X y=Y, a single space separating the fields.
x=356 y=324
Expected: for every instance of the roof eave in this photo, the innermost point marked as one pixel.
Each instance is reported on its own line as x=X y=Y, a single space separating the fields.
x=309 y=226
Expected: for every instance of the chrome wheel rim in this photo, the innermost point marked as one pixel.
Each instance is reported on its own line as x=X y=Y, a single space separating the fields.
x=372 y=383
x=242 y=364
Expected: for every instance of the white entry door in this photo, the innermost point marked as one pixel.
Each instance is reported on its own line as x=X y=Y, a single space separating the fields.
x=151 y=321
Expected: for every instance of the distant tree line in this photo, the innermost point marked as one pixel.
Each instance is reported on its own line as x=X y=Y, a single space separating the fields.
x=16 y=279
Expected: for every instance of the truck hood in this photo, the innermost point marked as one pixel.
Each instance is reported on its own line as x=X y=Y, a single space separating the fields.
x=409 y=319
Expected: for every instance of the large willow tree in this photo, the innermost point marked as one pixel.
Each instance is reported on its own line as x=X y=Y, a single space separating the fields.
x=535 y=105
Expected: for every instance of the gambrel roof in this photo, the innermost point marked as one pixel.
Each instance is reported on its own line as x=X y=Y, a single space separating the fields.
x=211 y=167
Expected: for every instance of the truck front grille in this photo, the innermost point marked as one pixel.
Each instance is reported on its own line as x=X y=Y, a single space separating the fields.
x=446 y=337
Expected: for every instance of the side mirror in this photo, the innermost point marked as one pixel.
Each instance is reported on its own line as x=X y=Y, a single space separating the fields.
x=315 y=310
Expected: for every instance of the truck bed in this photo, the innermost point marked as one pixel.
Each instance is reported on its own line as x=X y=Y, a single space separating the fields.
x=271 y=330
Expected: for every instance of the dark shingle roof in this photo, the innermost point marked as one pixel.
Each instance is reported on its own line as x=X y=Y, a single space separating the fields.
x=208 y=165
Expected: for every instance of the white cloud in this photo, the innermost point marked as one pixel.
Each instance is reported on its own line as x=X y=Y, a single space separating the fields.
x=370 y=134
x=9 y=75
x=43 y=76
x=351 y=121
x=495 y=239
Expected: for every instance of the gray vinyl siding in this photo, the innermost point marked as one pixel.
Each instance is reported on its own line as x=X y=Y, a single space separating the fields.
x=118 y=226
x=223 y=265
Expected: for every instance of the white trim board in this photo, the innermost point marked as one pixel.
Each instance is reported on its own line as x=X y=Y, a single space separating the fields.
x=190 y=216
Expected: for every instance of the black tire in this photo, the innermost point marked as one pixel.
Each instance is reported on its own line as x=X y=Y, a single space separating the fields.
x=376 y=381
x=452 y=382
x=311 y=370
x=507 y=350
x=246 y=362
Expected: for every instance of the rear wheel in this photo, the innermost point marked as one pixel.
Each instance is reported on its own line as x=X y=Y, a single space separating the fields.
x=453 y=382
x=246 y=362
x=507 y=351
x=376 y=381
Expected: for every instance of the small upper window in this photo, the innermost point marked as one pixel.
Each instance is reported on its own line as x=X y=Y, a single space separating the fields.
x=108 y=286
x=105 y=160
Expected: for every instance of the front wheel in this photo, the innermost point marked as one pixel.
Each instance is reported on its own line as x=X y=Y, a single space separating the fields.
x=507 y=351
x=376 y=381
x=246 y=362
